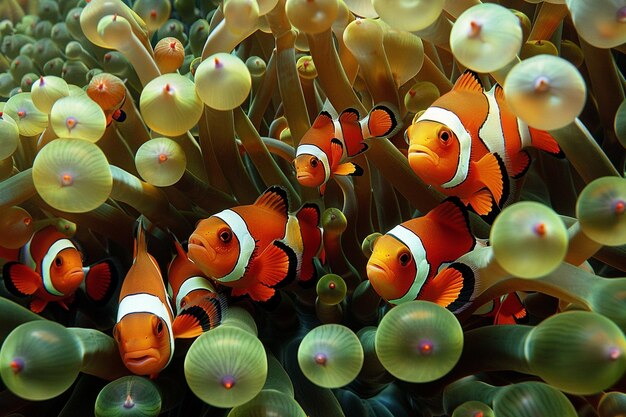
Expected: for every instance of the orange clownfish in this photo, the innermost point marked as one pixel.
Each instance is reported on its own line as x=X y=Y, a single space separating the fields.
x=328 y=143
x=255 y=247
x=144 y=332
x=404 y=263
x=469 y=142
x=49 y=268
x=198 y=306
x=507 y=309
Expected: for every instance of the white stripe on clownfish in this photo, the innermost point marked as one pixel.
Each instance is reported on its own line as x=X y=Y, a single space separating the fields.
x=422 y=269
x=524 y=133
x=319 y=154
x=191 y=284
x=453 y=122
x=246 y=244
x=491 y=132
x=151 y=304
x=46 y=264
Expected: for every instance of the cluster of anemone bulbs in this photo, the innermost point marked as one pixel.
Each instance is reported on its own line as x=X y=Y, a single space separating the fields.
x=176 y=110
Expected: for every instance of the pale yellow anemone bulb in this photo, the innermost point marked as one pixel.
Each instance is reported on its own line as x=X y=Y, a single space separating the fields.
x=312 y=16
x=223 y=81
x=602 y=23
x=409 y=15
x=545 y=91
x=486 y=37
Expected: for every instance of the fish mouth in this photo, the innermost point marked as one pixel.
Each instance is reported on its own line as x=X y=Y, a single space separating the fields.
x=421 y=151
x=376 y=269
x=199 y=248
x=141 y=357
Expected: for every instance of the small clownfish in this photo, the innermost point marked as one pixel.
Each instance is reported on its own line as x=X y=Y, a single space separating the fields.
x=328 y=143
x=469 y=142
x=254 y=248
x=198 y=306
x=507 y=309
x=144 y=332
x=404 y=263
x=49 y=268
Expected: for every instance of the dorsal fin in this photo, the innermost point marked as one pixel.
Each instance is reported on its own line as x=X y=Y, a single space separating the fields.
x=469 y=81
x=274 y=198
x=349 y=115
x=140 y=245
x=179 y=249
x=322 y=119
x=453 y=213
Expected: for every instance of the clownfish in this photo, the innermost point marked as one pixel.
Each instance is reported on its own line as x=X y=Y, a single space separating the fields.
x=144 y=332
x=328 y=143
x=507 y=309
x=405 y=261
x=197 y=305
x=254 y=248
x=469 y=142
x=49 y=268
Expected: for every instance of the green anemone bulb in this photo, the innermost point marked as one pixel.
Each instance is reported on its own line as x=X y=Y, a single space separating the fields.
x=40 y=360
x=312 y=16
x=601 y=210
x=547 y=92
x=529 y=239
x=409 y=15
x=16 y=227
x=78 y=117
x=9 y=135
x=620 y=123
x=161 y=162
x=578 y=352
x=269 y=403
x=30 y=121
x=612 y=404
x=473 y=409
x=169 y=104
x=72 y=175
x=223 y=81
x=226 y=366
x=330 y=355
x=486 y=37
x=129 y=396
x=334 y=220
x=331 y=289
x=532 y=399
x=47 y=90
x=419 y=341
x=602 y=23
x=421 y=96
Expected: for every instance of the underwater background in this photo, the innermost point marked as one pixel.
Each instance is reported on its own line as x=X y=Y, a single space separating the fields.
x=314 y=208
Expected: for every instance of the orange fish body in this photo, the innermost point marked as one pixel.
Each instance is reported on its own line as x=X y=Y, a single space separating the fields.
x=255 y=247
x=405 y=262
x=468 y=143
x=49 y=268
x=198 y=306
x=144 y=332
x=324 y=148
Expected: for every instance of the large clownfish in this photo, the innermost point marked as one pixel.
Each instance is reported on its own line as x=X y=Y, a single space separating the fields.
x=329 y=142
x=145 y=328
x=405 y=262
x=469 y=142
x=254 y=248
x=49 y=268
x=198 y=306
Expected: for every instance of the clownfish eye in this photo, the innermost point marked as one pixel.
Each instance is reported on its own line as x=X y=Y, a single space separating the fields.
x=314 y=162
x=159 y=328
x=444 y=136
x=58 y=261
x=225 y=236
x=404 y=258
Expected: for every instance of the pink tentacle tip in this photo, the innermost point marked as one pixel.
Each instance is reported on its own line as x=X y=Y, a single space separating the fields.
x=321 y=358
x=67 y=180
x=129 y=403
x=17 y=365
x=162 y=158
x=332 y=285
x=614 y=353
x=475 y=29
x=620 y=207
x=540 y=229
x=425 y=347
x=228 y=382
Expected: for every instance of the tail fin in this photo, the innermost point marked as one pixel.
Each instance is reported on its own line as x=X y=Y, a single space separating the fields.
x=199 y=317
x=511 y=310
x=309 y=219
x=452 y=288
x=382 y=121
